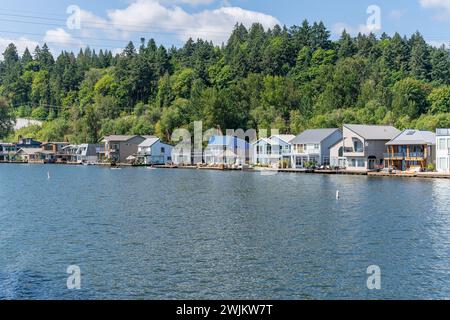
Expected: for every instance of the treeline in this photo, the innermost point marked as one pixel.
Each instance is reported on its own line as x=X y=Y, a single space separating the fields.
x=287 y=78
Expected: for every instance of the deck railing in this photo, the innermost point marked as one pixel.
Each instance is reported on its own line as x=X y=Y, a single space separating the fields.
x=394 y=155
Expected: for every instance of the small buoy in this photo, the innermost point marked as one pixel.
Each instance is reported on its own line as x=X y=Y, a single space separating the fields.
x=337 y=195
x=48 y=174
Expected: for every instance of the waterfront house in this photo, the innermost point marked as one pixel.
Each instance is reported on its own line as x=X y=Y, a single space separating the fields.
x=272 y=151
x=152 y=151
x=83 y=153
x=362 y=147
x=228 y=150
x=27 y=143
x=33 y=155
x=53 y=151
x=118 y=148
x=443 y=150
x=411 y=150
x=312 y=147
x=7 y=151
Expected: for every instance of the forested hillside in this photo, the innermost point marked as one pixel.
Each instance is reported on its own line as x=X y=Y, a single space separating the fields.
x=287 y=78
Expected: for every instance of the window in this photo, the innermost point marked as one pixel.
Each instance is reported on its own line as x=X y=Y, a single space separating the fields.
x=442 y=164
x=442 y=145
x=358 y=145
x=341 y=152
x=269 y=149
x=316 y=146
x=163 y=150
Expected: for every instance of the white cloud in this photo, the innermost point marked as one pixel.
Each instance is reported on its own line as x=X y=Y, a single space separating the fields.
x=59 y=36
x=21 y=43
x=442 y=5
x=161 y=17
x=397 y=14
x=339 y=27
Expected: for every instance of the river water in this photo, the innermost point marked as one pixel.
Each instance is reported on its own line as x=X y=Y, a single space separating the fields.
x=187 y=234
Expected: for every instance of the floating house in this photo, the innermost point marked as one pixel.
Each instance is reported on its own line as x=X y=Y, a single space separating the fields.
x=53 y=151
x=119 y=148
x=312 y=147
x=362 y=147
x=81 y=154
x=272 y=151
x=28 y=143
x=35 y=155
x=443 y=150
x=411 y=150
x=227 y=150
x=7 y=151
x=154 y=152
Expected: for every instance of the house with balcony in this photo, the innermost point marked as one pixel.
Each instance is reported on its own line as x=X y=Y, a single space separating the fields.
x=119 y=148
x=412 y=150
x=154 y=152
x=80 y=154
x=53 y=151
x=443 y=150
x=363 y=146
x=28 y=143
x=7 y=151
x=272 y=151
x=227 y=150
x=312 y=147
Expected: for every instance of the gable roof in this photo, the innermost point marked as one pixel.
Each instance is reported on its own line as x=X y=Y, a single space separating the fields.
x=372 y=132
x=227 y=141
x=413 y=137
x=285 y=137
x=313 y=136
x=30 y=150
x=149 y=142
x=119 y=138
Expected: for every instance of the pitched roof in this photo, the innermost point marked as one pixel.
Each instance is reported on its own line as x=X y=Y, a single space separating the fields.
x=119 y=138
x=149 y=142
x=227 y=141
x=30 y=150
x=313 y=136
x=413 y=137
x=370 y=132
x=285 y=137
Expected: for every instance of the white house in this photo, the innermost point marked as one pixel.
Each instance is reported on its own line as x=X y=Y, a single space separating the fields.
x=227 y=150
x=272 y=151
x=443 y=150
x=153 y=151
x=313 y=147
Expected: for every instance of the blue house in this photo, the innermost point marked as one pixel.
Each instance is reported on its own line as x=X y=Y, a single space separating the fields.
x=227 y=150
x=28 y=143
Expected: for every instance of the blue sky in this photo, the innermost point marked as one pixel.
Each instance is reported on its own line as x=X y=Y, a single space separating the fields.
x=110 y=24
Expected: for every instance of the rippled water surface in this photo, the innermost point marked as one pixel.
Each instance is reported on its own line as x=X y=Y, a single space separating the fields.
x=182 y=234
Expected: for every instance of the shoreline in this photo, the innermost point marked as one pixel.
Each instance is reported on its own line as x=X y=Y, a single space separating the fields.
x=423 y=175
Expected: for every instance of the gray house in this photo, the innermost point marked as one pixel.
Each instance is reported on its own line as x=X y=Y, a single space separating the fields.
x=362 y=147
x=119 y=148
x=313 y=146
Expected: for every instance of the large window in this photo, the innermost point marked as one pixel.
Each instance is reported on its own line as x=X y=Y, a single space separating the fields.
x=358 y=145
x=442 y=145
x=442 y=164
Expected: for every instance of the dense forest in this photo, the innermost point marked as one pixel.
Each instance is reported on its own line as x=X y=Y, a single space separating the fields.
x=287 y=78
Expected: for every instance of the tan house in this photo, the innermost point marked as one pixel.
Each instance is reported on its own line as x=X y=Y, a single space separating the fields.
x=412 y=150
x=363 y=147
x=120 y=148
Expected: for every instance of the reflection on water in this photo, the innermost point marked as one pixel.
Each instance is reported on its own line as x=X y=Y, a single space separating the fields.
x=165 y=234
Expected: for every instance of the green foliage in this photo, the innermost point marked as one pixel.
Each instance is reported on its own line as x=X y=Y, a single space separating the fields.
x=286 y=78
x=7 y=118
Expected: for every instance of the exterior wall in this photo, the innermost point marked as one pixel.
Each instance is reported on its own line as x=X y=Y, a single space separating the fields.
x=126 y=149
x=159 y=153
x=371 y=155
x=326 y=145
x=274 y=157
x=337 y=159
x=443 y=153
